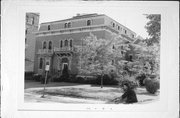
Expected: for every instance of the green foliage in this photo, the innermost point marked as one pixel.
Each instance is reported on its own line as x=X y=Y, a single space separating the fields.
x=152 y=85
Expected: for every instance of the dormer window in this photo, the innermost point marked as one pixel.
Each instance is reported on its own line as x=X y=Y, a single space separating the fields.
x=88 y=22
x=49 y=27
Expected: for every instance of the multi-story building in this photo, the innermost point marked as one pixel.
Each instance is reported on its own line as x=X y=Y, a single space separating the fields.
x=32 y=23
x=56 y=40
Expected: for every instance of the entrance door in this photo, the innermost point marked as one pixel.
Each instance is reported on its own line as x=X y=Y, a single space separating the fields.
x=65 y=69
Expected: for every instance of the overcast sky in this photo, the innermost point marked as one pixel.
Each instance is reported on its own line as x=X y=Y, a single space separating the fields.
x=131 y=18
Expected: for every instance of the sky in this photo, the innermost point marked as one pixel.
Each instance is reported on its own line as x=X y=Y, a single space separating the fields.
x=131 y=18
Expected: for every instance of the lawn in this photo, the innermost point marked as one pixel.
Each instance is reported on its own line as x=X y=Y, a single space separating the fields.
x=86 y=92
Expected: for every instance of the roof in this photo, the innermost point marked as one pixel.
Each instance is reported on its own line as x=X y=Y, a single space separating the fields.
x=78 y=16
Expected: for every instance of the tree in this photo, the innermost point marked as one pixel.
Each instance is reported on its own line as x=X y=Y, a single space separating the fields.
x=153 y=27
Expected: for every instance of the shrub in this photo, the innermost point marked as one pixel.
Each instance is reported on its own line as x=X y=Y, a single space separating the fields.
x=43 y=79
x=107 y=80
x=141 y=79
x=131 y=81
x=37 y=77
x=28 y=75
x=152 y=85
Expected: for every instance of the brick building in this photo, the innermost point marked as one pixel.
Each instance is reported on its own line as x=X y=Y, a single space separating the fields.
x=55 y=41
x=32 y=23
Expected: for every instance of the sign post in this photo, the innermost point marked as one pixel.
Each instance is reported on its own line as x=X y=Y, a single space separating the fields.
x=46 y=71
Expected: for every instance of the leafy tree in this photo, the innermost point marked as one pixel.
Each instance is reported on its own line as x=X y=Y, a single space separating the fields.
x=153 y=27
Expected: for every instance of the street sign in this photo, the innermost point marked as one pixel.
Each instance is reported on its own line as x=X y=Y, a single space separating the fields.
x=47 y=68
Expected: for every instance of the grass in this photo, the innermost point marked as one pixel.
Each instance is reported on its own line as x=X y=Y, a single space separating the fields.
x=97 y=94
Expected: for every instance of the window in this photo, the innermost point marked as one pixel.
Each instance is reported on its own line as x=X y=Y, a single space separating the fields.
x=49 y=27
x=132 y=36
x=88 y=22
x=113 y=24
x=40 y=63
x=50 y=45
x=66 y=43
x=26 y=31
x=69 y=24
x=33 y=20
x=118 y=27
x=44 y=45
x=125 y=31
x=65 y=25
x=61 y=44
x=70 y=43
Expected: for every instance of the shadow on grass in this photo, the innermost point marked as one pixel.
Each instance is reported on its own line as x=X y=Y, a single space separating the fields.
x=149 y=94
x=35 y=84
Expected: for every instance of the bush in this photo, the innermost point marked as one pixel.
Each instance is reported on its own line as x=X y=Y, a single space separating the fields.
x=28 y=75
x=141 y=79
x=131 y=82
x=152 y=85
x=43 y=79
x=107 y=80
x=37 y=77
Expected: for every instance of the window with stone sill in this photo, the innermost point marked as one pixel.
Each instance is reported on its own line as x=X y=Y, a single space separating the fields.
x=61 y=44
x=44 y=45
x=66 y=42
x=50 y=45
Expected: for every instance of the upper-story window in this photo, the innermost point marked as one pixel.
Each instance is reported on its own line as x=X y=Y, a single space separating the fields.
x=70 y=43
x=88 y=22
x=40 y=63
x=118 y=27
x=33 y=20
x=50 y=45
x=26 y=31
x=49 y=27
x=61 y=44
x=132 y=35
x=66 y=42
x=44 y=45
x=113 y=24
x=69 y=24
x=125 y=31
x=65 y=25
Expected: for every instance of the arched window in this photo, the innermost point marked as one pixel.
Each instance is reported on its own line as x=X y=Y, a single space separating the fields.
x=61 y=44
x=70 y=43
x=66 y=43
x=49 y=27
x=50 y=45
x=69 y=24
x=88 y=22
x=44 y=45
x=65 y=25
x=40 y=63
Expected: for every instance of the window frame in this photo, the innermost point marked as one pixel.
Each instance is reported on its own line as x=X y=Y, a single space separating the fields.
x=49 y=27
x=87 y=23
x=49 y=45
x=40 y=64
x=43 y=45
